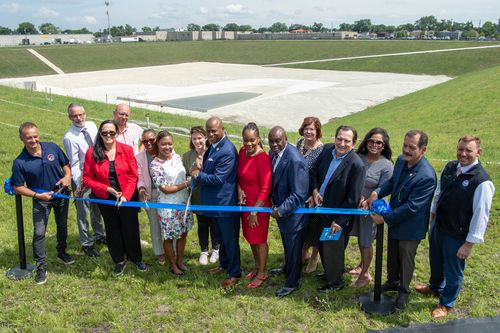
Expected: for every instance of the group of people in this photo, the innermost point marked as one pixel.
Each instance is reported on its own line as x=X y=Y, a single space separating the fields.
x=119 y=161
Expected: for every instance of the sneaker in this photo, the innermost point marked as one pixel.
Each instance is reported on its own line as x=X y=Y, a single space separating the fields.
x=203 y=258
x=41 y=275
x=119 y=268
x=215 y=256
x=90 y=251
x=66 y=258
x=141 y=266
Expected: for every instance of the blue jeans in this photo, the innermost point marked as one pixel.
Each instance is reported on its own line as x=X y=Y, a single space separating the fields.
x=447 y=270
x=41 y=211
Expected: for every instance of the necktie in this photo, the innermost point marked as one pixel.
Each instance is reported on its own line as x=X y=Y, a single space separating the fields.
x=276 y=159
x=87 y=137
x=459 y=172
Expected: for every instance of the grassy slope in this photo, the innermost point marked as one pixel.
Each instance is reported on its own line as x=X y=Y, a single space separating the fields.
x=94 y=57
x=86 y=297
x=445 y=63
x=18 y=62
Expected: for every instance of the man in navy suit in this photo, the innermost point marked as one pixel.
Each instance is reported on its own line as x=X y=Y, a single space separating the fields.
x=337 y=181
x=411 y=188
x=289 y=192
x=218 y=186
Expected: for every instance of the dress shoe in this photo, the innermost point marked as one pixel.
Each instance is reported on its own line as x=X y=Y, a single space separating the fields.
x=330 y=287
x=90 y=251
x=425 y=289
x=388 y=286
x=402 y=300
x=277 y=271
x=229 y=282
x=283 y=292
x=216 y=270
x=440 y=311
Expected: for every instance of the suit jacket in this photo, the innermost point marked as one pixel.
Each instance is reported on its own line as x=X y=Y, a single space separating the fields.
x=290 y=189
x=143 y=172
x=410 y=200
x=95 y=175
x=344 y=188
x=217 y=181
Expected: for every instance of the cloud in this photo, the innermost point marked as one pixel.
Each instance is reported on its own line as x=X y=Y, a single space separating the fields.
x=167 y=11
x=203 y=10
x=10 y=8
x=90 y=19
x=237 y=9
x=46 y=13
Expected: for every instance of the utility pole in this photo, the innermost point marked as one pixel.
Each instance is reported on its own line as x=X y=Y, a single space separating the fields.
x=107 y=13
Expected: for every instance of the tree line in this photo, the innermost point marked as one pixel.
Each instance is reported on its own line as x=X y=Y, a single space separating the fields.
x=425 y=23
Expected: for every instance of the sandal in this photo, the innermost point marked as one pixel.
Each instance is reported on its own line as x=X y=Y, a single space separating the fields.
x=361 y=282
x=355 y=271
x=252 y=274
x=257 y=282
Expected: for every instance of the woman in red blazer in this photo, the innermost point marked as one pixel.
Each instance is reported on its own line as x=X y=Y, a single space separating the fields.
x=110 y=171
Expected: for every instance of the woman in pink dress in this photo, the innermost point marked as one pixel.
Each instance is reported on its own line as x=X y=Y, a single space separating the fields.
x=254 y=186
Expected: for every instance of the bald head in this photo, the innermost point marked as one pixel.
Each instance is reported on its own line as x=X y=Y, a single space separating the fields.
x=215 y=129
x=277 y=139
x=121 y=114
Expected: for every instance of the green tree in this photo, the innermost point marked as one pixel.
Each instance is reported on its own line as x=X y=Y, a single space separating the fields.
x=407 y=27
x=363 y=25
x=426 y=23
x=128 y=30
x=26 y=28
x=298 y=26
x=193 y=27
x=317 y=27
x=278 y=27
x=471 y=34
x=116 y=31
x=444 y=25
x=390 y=28
x=5 y=31
x=211 y=27
x=378 y=28
x=77 y=31
x=231 y=27
x=345 y=27
x=157 y=28
x=48 y=28
x=489 y=29
x=146 y=29
x=262 y=30
x=402 y=33
x=245 y=27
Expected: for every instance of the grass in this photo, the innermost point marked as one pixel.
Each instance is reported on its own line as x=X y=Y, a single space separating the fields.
x=78 y=58
x=86 y=297
x=18 y=62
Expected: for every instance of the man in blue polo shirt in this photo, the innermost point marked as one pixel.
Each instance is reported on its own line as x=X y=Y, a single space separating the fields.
x=43 y=166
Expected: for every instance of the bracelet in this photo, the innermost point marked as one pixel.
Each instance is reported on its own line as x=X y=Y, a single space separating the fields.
x=34 y=195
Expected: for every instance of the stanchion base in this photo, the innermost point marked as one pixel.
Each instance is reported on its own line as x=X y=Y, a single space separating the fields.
x=385 y=306
x=18 y=273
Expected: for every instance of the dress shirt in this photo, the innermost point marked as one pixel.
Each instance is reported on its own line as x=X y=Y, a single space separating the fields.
x=76 y=146
x=131 y=136
x=334 y=164
x=481 y=205
x=277 y=158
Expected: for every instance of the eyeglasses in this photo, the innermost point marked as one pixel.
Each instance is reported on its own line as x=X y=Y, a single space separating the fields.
x=109 y=133
x=375 y=142
x=150 y=141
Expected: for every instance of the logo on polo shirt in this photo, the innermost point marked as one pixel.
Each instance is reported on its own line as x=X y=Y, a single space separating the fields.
x=465 y=183
x=51 y=157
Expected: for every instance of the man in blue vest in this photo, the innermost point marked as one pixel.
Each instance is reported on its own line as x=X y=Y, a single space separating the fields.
x=459 y=216
x=43 y=166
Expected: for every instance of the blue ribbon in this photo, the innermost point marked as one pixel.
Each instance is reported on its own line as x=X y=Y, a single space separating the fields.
x=379 y=206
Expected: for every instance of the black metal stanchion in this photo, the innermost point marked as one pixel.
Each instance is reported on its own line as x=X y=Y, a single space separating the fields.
x=375 y=302
x=23 y=270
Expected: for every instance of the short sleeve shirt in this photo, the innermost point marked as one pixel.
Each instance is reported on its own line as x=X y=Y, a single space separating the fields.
x=39 y=172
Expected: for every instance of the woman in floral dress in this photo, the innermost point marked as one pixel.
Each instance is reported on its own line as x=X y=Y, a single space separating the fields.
x=169 y=178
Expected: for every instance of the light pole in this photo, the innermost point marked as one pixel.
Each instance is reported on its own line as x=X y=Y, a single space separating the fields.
x=109 y=27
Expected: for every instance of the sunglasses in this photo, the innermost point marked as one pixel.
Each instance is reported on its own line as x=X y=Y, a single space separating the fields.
x=108 y=133
x=374 y=142
x=150 y=141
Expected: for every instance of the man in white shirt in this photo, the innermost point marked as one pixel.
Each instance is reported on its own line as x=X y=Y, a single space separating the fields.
x=459 y=216
x=77 y=141
x=128 y=133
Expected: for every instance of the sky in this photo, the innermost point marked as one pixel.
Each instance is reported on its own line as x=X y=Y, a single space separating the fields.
x=91 y=14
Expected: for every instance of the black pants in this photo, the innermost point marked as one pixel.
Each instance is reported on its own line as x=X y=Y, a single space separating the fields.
x=401 y=262
x=122 y=232
x=333 y=258
x=207 y=226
